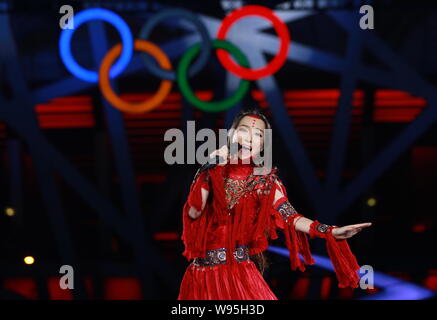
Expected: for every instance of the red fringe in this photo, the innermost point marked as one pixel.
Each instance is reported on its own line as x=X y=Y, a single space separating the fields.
x=194 y=230
x=193 y=239
x=194 y=234
x=344 y=261
x=297 y=242
x=195 y=195
x=219 y=205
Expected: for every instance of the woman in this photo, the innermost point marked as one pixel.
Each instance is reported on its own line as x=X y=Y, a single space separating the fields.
x=231 y=214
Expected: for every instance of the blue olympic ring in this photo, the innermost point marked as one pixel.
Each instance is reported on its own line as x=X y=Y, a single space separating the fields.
x=203 y=57
x=96 y=14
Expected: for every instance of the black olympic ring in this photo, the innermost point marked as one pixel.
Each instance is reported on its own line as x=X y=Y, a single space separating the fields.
x=203 y=57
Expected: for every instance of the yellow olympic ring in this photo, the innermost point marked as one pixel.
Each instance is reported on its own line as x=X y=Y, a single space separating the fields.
x=114 y=99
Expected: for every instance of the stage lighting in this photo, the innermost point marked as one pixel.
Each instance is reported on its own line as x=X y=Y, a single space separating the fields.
x=10 y=212
x=371 y=202
x=29 y=260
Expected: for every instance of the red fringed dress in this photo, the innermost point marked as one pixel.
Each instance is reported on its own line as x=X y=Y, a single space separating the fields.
x=239 y=219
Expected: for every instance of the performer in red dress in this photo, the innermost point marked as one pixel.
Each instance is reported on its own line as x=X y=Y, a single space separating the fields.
x=230 y=216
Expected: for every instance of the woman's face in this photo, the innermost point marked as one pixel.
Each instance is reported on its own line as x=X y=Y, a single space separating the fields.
x=250 y=134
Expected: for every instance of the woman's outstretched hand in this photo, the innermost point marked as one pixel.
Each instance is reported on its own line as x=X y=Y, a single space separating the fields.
x=349 y=231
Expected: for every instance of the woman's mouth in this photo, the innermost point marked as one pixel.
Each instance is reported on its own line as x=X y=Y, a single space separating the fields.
x=245 y=147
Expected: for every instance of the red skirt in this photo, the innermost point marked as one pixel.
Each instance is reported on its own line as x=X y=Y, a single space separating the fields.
x=240 y=281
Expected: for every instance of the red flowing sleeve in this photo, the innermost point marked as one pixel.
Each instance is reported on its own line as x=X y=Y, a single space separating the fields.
x=201 y=180
x=194 y=230
x=285 y=217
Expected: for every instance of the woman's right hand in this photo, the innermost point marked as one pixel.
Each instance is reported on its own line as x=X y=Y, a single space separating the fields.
x=222 y=153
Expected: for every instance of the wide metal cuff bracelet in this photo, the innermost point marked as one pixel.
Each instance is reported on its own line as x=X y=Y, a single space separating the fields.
x=285 y=209
x=319 y=230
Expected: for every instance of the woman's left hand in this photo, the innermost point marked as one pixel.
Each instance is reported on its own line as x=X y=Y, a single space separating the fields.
x=349 y=231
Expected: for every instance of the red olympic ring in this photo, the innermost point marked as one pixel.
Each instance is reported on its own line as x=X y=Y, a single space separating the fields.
x=280 y=28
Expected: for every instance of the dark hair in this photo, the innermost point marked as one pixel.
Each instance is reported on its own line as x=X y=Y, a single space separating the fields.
x=260 y=259
x=250 y=112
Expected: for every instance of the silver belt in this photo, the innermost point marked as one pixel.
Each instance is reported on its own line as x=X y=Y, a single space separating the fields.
x=218 y=256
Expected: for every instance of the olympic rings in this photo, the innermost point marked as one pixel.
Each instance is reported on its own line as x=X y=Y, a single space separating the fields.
x=114 y=99
x=98 y=14
x=187 y=15
x=189 y=94
x=272 y=66
x=163 y=69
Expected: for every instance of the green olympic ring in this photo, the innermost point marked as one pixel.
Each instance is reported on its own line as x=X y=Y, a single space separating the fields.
x=211 y=106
